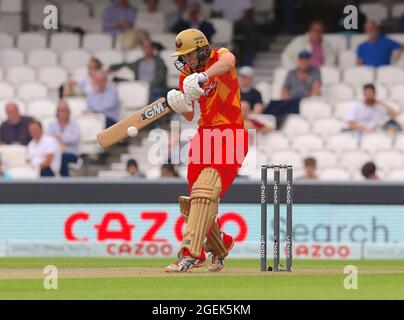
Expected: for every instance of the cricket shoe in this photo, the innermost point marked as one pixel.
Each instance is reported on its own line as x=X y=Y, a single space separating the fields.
x=216 y=263
x=185 y=264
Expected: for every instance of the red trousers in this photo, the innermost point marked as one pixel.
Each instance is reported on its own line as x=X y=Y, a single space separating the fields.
x=222 y=148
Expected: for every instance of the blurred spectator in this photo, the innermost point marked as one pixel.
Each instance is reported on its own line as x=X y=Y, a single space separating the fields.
x=43 y=151
x=369 y=114
x=304 y=81
x=369 y=171
x=86 y=84
x=252 y=121
x=172 y=18
x=241 y=14
x=118 y=17
x=249 y=94
x=153 y=16
x=151 y=68
x=133 y=169
x=193 y=19
x=321 y=50
x=4 y=174
x=168 y=171
x=67 y=133
x=14 y=130
x=103 y=99
x=310 y=168
x=378 y=49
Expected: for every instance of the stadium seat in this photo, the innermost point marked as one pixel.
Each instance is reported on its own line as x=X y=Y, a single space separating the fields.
x=354 y=159
x=24 y=172
x=287 y=157
x=396 y=175
x=110 y=57
x=347 y=59
x=374 y=11
x=334 y=174
x=90 y=25
x=324 y=158
x=397 y=10
x=53 y=77
x=399 y=142
x=295 y=125
x=72 y=12
x=6 y=41
x=265 y=89
x=356 y=40
x=153 y=173
x=13 y=155
x=112 y=174
x=41 y=108
x=389 y=75
x=46 y=121
x=389 y=159
x=224 y=32
x=358 y=75
x=338 y=92
x=373 y=142
x=79 y=73
x=381 y=92
x=11 y=57
x=341 y=142
x=267 y=119
x=273 y=141
x=253 y=161
x=151 y=24
x=28 y=41
x=315 y=108
x=133 y=94
x=64 y=41
x=330 y=75
x=77 y=105
x=90 y=125
x=133 y=55
x=327 y=126
x=33 y=90
x=339 y=42
x=341 y=109
x=6 y=90
x=167 y=40
x=40 y=58
x=94 y=42
x=35 y=13
x=306 y=143
x=11 y=6
x=75 y=59
x=397 y=93
x=20 y=74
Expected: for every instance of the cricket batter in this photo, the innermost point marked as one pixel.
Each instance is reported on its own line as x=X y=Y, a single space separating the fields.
x=216 y=151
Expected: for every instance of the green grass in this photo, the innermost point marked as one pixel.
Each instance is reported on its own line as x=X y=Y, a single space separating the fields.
x=244 y=286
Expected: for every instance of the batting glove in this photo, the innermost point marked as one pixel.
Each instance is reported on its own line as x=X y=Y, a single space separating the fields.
x=192 y=85
x=179 y=101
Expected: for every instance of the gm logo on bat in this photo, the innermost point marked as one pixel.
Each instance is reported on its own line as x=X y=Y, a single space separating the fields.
x=154 y=111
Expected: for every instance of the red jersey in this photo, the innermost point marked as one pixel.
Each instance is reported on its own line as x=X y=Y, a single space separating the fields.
x=220 y=104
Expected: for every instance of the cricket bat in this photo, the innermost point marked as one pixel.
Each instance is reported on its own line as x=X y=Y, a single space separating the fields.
x=140 y=119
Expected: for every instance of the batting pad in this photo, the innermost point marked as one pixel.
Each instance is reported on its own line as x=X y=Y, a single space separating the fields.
x=214 y=242
x=204 y=206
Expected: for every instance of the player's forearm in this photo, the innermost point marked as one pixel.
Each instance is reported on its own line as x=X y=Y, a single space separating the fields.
x=223 y=65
